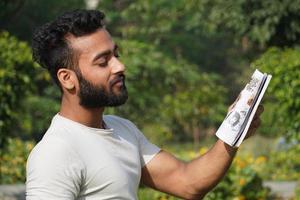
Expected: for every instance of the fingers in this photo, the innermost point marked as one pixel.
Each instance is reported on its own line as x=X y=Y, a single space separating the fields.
x=259 y=110
x=256 y=122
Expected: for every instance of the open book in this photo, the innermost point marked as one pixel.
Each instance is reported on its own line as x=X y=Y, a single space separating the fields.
x=237 y=122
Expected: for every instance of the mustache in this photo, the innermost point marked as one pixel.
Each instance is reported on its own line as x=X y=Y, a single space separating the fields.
x=120 y=77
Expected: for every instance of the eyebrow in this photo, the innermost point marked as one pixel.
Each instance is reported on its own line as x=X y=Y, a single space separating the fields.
x=105 y=53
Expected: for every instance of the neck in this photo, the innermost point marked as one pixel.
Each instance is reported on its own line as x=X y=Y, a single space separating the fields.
x=91 y=117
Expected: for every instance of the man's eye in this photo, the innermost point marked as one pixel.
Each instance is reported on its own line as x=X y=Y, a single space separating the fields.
x=103 y=64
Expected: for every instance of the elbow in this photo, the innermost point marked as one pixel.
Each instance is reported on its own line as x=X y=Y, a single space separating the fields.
x=195 y=193
x=194 y=196
x=195 y=190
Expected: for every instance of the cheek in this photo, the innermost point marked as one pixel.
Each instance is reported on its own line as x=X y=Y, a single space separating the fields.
x=97 y=75
x=101 y=76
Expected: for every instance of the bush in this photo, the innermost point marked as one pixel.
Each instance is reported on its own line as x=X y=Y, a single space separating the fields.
x=16 y=74
x=157 y=134
x=13 y=161
x=242 y=181
x=282 y=165
x=284 y=65
x=297 y=191
x=149 y=194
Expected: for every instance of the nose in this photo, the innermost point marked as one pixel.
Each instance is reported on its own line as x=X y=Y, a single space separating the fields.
x=117 y=66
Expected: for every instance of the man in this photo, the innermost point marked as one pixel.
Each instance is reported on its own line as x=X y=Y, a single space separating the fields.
x=85 y=155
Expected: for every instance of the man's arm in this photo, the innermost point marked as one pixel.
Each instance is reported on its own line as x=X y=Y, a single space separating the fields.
x=192 y=180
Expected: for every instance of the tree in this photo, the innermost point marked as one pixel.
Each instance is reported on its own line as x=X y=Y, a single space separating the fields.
x=177 y=28
x=196 y=107
x=21 y=17
x=263 y=23
x=284 y=65
x=16 y=74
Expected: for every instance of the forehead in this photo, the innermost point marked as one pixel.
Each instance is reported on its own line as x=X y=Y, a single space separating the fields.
x=89 y=45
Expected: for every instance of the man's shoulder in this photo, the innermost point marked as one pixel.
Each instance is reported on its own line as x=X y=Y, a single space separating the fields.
x=53 y=143
x=115 y=117
x=118 y=120
x=121 y=125
x=50 y=149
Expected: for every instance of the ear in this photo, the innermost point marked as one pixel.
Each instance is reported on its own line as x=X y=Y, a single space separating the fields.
x=66 y=78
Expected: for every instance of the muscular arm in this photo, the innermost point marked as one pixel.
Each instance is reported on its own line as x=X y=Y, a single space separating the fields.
x=192 y=180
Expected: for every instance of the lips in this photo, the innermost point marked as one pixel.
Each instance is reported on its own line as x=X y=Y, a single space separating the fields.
x=118 y=80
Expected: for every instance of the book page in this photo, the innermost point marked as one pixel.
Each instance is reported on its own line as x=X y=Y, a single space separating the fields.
x=234 y=123
x=260 y=93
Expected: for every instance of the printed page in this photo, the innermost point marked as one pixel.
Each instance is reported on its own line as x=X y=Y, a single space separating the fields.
x=261 y=91
x=230 y=129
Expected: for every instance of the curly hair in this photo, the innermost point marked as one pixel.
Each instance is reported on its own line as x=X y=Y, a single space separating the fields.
x=51 y=49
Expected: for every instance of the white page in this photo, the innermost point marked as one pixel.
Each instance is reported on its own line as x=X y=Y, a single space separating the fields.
x=230 y=130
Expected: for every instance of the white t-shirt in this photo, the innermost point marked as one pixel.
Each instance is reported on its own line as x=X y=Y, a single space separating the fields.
x=74 y=161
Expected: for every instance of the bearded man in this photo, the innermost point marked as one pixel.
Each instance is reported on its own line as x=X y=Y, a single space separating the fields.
x=87 y=155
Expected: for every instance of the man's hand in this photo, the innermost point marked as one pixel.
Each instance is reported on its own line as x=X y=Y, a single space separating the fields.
x=255 y=122
x=256 y=119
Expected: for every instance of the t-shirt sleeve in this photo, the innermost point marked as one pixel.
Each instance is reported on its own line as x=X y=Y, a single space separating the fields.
x=53 y=172
x=147 y=149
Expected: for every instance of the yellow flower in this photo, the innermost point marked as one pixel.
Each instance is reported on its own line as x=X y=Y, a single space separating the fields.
x=241 y=163
x=192 y=154
x=240 y=197
x=203 y=150
x=163 y=198
x=29 y=146
x=242 y=182
x=260 y=159
x=250 y=159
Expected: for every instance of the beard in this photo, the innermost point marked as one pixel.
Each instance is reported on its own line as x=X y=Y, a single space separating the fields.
x=94 y=96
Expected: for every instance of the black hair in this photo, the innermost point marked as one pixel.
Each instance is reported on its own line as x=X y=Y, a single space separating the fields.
x=50 y=47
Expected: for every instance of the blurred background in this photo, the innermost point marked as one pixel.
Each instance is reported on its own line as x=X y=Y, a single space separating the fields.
x=186 y=63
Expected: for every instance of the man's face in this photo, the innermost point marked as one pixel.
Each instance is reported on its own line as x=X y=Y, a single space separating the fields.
x=100 y=75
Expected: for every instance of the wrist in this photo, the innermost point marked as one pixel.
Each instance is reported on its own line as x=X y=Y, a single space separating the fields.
x=231 y=150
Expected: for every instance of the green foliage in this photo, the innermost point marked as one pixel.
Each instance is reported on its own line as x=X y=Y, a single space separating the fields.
x=297 y=191
x=28 y=99
x=36 y=115
x=273 y=124
x=241 y=182
x=16 y=74
x=17 y=16
x=177 y=28
x=13 y=161
x=284 y=65
x=289 y=162
x=159 y=134
x=266 y=23
x=202 y=100
x=149 y=194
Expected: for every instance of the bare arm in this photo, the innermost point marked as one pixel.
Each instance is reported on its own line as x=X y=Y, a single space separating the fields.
x=191 y=180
